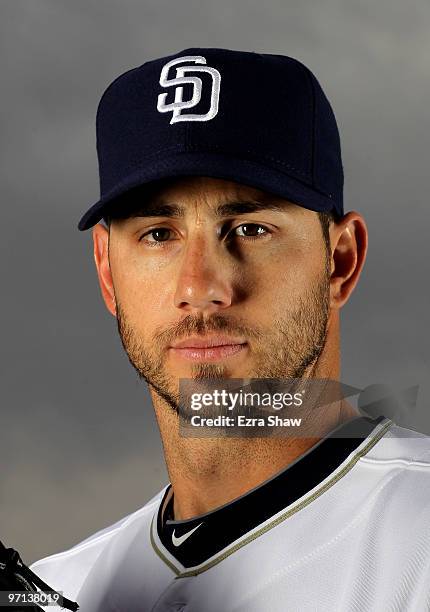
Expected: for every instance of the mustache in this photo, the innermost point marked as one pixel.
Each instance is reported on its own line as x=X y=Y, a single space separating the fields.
x=201 y=326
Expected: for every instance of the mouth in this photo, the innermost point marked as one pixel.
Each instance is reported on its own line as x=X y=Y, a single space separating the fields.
x=208 y=349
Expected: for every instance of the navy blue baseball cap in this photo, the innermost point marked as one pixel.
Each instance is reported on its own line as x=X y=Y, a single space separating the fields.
x=259 y=119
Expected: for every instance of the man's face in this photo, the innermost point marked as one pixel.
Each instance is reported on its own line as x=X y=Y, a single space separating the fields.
x=213 y=259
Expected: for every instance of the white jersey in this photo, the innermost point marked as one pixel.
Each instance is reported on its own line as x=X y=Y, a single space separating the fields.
x=338 y=530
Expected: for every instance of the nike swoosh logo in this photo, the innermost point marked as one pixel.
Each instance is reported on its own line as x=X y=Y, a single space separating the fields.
x=178 y=541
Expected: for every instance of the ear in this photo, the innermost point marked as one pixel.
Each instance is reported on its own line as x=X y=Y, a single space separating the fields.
x=101 y=257
x=348 y=238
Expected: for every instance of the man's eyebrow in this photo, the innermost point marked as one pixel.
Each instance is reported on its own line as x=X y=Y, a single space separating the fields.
x=248 y=206
x=158 y=209
x=241 y=207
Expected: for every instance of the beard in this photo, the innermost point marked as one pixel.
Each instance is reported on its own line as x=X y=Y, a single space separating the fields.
x=288 y=349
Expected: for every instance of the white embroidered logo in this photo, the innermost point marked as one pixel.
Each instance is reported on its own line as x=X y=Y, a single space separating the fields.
x=178 y=541
x=179 y=104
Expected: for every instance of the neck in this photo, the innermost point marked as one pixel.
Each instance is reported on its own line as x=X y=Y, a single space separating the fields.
x=208 y=472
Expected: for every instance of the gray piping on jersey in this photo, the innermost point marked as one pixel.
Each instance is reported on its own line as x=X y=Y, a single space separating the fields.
x=346 y=468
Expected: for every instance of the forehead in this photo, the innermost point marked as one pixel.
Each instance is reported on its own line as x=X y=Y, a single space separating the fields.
x=179 y=195
x=206 y=188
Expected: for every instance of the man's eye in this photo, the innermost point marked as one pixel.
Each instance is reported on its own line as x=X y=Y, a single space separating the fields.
x=250 y=230
x=159 y=234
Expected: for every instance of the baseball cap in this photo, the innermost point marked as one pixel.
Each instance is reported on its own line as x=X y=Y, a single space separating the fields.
x=259 y=119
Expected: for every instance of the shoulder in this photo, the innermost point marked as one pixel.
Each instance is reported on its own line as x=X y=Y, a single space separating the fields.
x=401 y=446
x=67 y=570
x=398 y=464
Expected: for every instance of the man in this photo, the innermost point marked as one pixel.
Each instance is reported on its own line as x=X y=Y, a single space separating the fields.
x=226 y=254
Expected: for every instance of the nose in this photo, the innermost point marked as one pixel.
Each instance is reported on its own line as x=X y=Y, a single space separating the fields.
x=204 y=283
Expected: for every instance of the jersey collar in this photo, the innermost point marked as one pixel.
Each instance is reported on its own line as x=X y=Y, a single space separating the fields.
x=193 y=541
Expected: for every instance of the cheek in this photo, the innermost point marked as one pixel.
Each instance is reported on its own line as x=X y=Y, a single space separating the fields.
x=289 y=274
x=141 y=290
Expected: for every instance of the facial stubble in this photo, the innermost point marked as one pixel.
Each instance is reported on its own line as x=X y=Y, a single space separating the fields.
x=289 y=349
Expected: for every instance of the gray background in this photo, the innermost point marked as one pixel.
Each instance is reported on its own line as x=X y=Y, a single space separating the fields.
x=79 y=443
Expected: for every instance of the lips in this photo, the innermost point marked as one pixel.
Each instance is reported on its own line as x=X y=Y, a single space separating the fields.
x=210 y=348
x=208 y=342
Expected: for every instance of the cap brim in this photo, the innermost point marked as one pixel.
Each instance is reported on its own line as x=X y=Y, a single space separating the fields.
x=248 y=172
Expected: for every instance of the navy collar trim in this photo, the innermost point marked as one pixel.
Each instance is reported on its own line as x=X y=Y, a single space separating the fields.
x=208 y=534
